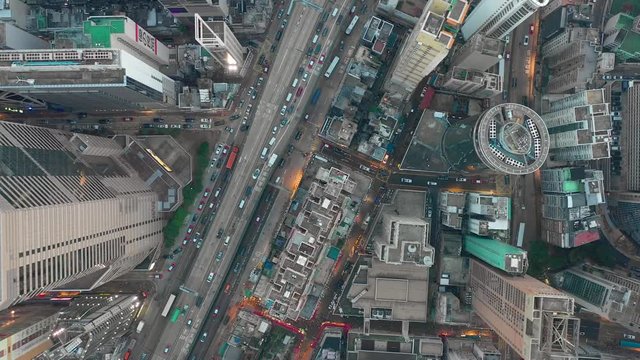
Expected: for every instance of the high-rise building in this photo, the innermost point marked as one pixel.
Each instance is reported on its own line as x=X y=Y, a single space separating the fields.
x=579 y=126
x=479 y=53
x=606 y=293
x=507 y=138
x=186 y=9
x=497 y=18
x=92 y=325
x=487 y=215
x=624 y=209
x=535 y=319
x=85 y=208
x=630 y=141
x=570 y=197
x=218 y=39
x=572 y=58
x=622 y=34
x=428 y=44
x=472 y=82
x=86 y=79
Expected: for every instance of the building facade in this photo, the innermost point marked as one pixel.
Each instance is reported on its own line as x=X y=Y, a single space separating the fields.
x=26 y=330
x=497 y=18
x=82 y=214
x=579 y=126
x=218 y=39
x=427 y=45
x=187 y=9
x=630 y=138
x=497 y=141
x=479 y=53
x=570 y=198
x=535 y=319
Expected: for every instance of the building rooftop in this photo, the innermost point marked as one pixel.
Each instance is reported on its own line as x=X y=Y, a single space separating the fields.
x=512 y=138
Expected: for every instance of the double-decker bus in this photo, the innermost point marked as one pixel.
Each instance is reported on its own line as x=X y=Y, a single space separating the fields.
x=175 y=314
x=353 y=23
x=167 y=307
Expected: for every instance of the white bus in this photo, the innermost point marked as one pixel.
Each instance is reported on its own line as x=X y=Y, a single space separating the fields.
x=332 y=66
x=352 y=25
x=167 y=307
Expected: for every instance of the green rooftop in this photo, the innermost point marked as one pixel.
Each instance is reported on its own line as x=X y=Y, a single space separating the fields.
x=333 y=253
x=630 y=46
x=99 y=30
x=572 y=186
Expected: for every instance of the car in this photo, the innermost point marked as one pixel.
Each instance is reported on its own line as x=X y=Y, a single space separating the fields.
x=218 y=149
x=432 y=183
x=203 y=337
x=258 y=219
x=507 y=55
x=266 y=69
x=189 y=120
x=216 y=311
x=284 y=122
x=187 y=126
x=219 y=256
x=245 y=120
x=274 y=130
x=305 y=76
x=254 y=95
x=158 y=120
x=189 y=322
x=461 y=179
x=229 y=129
x=225 y=150
x=171 y=267
x=217 y=193
x=255 y=174
x=185 y=241
x=298 y=135
x=526 y=40
x=201 y=205
x=532 y=28
x=321 y=59
x=220 y=232
x=166 y=349
x=299 y=92
x=211 y=206
x=190 y=229
x=477 y=181
x=429 y=213
x=206 y=192
x=199 y=244
x=310 y=65
x=406 y=181
x=175 y=126
x=227 y=289
x=629 y=337
x=283 y=111
x=205 y=126
x=157 y=276
x=210 y=277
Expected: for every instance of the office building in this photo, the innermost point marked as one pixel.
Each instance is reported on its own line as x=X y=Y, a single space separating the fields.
x=187 y=9
x=497 y=18
x=451 y=209
x=479 y=53
x=85 y=208
x=579 y=127
x=535 y=319
x=26 y=330
x=92 y=325
x=86 y=79
x=510 y=259
x=570 y=198
x=427 y=45
x=630 y=138
x=568 y=37
x=401 y=235
x=622 y=36
x=624 y=209
x=606 y=293
x=471 y=82
x=507 y=138
x=218 y=39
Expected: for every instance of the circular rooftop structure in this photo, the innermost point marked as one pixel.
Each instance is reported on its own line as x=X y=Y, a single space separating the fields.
x=512 y=139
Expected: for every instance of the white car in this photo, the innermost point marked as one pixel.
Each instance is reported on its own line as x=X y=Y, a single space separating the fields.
x=255 y=174
x=210 y=277
x=526 y=40
x=218 y=149
x=406 y=181
x=283 y=111
x=305 y=76
x=275 y=130
x=205 y=126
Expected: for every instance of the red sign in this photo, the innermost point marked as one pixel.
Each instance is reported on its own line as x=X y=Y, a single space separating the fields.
x=146 y=39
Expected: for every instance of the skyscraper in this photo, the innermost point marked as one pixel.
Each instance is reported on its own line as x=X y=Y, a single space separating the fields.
x=218 y=39
x=479 y=53
x=74 y=213
x=428 y=44
x=580 y=127
x=497 y=18
x=507 y=138
x=186 y=9
x=535 y=319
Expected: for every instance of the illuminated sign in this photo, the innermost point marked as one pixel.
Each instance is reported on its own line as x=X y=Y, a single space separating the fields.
x=146 y=39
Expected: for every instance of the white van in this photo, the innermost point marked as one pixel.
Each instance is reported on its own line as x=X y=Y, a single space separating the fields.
x=272 y=141
x=315 y=39
x=241 y=204
x=335 y=12
x=294 y=83
x=226 y=241
x=278 y=180
x=263 y=155
x=289 y=96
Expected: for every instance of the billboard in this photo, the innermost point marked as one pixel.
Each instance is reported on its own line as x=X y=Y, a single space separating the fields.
x=140 y=38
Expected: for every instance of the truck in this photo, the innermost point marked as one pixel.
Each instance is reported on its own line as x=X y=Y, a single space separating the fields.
x=232 y=157
x=248 y=191
x=140 y=326
x=218 y=123
x=316 y=96
x=272 y=160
